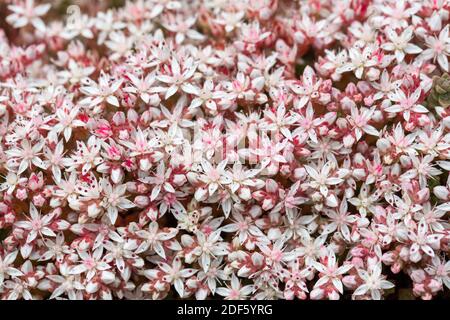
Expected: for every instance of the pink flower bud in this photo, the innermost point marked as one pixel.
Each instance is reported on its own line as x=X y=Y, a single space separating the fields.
x=21 y=194
x=38 y=200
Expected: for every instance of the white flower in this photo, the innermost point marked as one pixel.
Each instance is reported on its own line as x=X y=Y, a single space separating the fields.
x=26 y=12
x=331 y=272
x=209 y=247
x=359 y=61
x=440 y=269
x=143 y=87
x=236 y=291
x=231 y=20
x=55 y=160
x=11 y=181
x=174 y=274
x=386 y=86
x=321 y=180
x=374 y=282
x=159 y=181
x=75 y=72
x=423 y=242
x=6 y=268
x=213 y=178
x=114 y=199
x=91 y=263
x=422 y=168
x=308 y=124
x=400 y=44
x=103 y=91
x=312 y=248
x=359 y=119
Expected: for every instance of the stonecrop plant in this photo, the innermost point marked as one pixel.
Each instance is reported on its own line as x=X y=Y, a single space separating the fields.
x=225 y=149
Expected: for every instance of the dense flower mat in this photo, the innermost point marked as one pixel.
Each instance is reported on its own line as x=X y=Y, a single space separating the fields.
x=237 y=149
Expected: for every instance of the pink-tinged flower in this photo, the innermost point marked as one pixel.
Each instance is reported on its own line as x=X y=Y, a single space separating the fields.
x=340 y=220
x=22 y=286
x=67 y=121
x=438 y=48
x=76 y=72
x=308 y=124
x=242 y=180
x=37 y=225
x=56 y=250
x=119 y=44
x=91 y=263
x=280 y=121
x=295 y=280
x=141 y=144
x=276 y=255
x=243 y=228
x=406 y=104
x=422 y=169
x=22 y=158
x=267 y=152
x=230 y=20
x=66 y=283
x=365 y=202
x=213 y=178
x=173 y=274
x=121 y=250
x=386 y=86
x=309 y=89
x=311 y=248
x=440 y=269
x=87 y=156
x=205 y=96
x=214 y=276
x=359 y=119
x=160 y=181
x=396 y=14
x=107 y=24
x=182 y=27
x=78 y=25
x=55 y=160
x=251 y=36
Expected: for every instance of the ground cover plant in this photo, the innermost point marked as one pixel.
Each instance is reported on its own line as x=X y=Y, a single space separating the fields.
x=224 y=149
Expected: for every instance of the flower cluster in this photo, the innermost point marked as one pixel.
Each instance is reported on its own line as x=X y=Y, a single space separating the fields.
x=242 y=149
